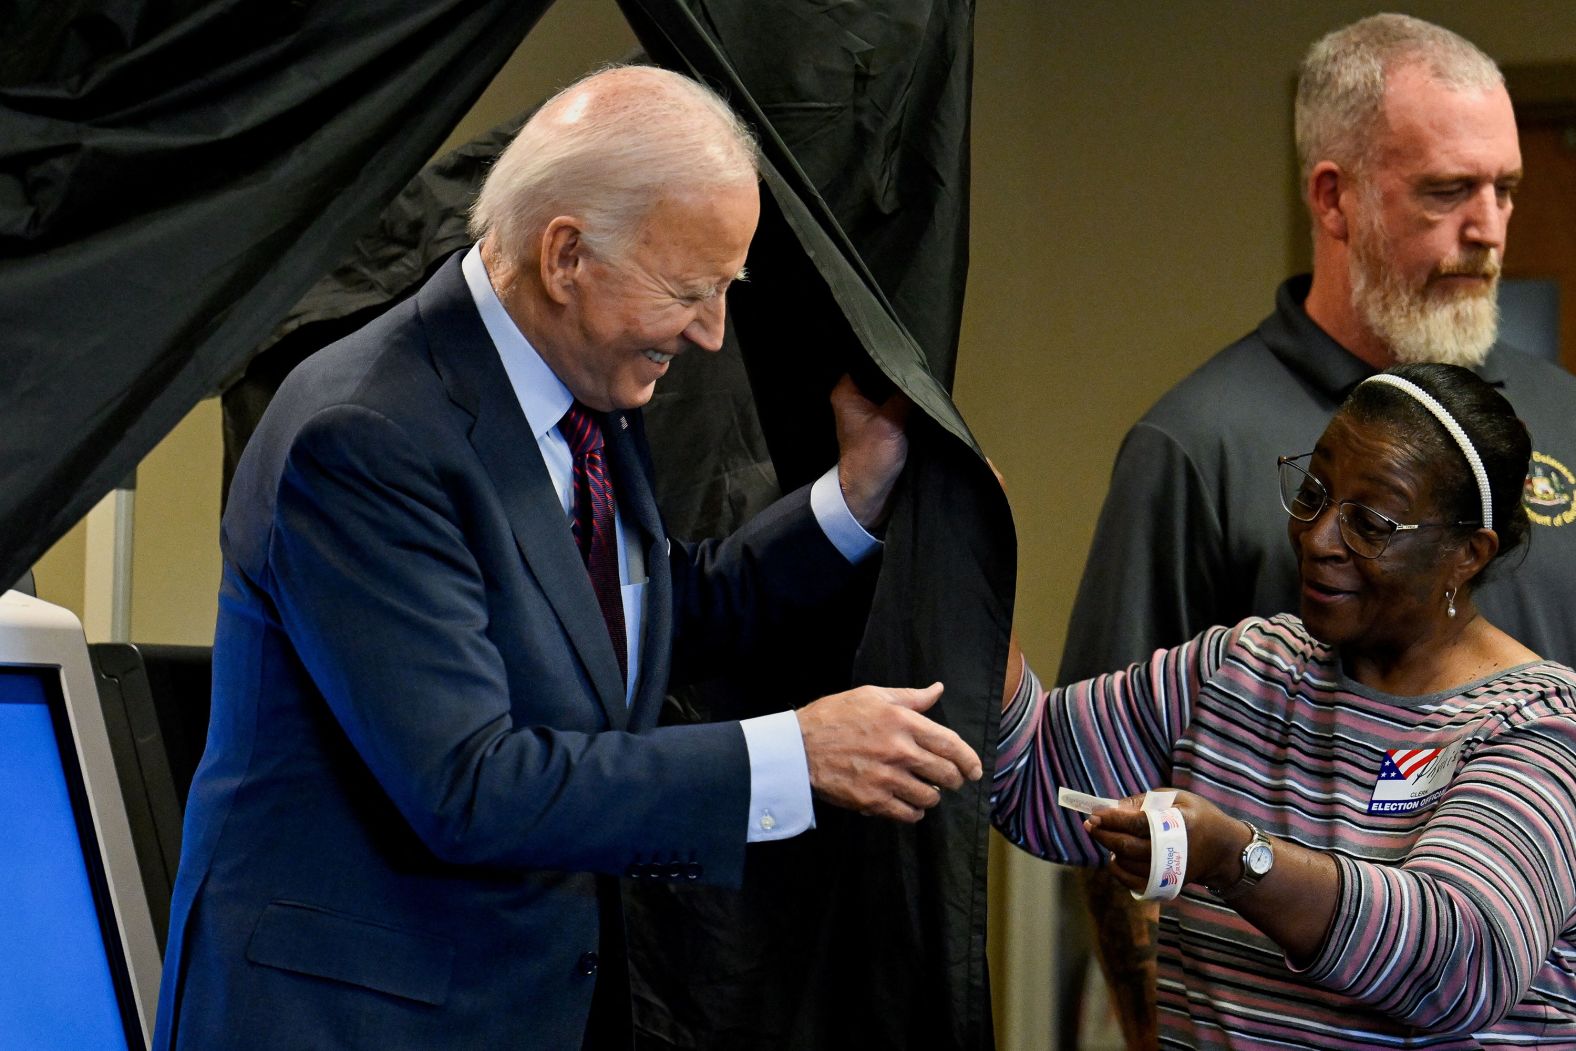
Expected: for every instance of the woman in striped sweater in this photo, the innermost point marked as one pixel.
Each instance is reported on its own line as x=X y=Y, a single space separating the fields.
x=1382 y=792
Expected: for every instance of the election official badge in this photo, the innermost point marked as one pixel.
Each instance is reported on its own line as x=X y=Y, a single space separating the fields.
x=1412 y=779
x=1550 y=492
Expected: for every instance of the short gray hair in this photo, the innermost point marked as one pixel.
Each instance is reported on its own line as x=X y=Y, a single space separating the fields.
x=606 y=149
x=1341 y=86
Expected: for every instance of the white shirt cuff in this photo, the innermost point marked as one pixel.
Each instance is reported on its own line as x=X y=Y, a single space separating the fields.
x=837 y=521
x=780 y=804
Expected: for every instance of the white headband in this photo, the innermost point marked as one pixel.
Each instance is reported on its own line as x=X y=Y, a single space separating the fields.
x=1449 y=422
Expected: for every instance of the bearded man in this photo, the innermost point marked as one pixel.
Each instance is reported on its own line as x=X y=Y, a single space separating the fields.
x=1409 y=164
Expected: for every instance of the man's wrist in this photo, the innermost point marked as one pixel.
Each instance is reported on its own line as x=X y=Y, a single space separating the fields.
x=837 y=521
x=868 y=509
x=780 y=804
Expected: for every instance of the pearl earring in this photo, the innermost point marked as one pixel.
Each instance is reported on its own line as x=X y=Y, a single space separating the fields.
x=1450 y=602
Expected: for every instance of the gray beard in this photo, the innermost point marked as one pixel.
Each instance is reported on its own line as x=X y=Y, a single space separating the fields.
x=1416 y=327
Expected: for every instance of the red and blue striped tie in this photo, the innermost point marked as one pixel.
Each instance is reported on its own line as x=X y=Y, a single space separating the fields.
x=592 y=524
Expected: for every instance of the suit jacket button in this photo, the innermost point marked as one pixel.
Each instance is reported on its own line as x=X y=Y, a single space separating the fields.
x=587 y=963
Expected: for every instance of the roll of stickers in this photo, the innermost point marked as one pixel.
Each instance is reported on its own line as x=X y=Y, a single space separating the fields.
x=1167 y=838
x=1167 y=854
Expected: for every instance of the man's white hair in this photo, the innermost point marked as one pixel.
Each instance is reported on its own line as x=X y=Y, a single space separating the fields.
x=1341 y=86
x=607 y=148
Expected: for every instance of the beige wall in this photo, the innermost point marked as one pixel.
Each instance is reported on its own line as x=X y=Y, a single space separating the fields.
x=1133 y=211
x=175 y=560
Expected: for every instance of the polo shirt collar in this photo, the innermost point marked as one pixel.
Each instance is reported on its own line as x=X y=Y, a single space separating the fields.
x=1305 y=348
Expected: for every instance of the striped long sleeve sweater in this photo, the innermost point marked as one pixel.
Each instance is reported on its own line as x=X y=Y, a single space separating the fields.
x=1451 y=818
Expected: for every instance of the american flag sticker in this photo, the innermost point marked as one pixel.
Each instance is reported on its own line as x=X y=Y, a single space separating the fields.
x=1411 y=779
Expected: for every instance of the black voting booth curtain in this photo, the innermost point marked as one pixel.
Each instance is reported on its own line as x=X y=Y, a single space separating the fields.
x=173 y=176
x=173 y=179
x=864 y=934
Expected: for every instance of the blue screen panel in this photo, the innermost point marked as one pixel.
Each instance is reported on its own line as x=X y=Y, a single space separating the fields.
x=57 y=977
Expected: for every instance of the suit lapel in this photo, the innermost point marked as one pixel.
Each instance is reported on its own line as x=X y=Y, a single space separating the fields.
x=503 y=441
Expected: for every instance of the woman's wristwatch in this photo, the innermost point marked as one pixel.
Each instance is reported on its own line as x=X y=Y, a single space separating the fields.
x=1258 y=857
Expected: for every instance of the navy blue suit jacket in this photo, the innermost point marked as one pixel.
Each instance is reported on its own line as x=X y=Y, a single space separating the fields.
x=420 y=751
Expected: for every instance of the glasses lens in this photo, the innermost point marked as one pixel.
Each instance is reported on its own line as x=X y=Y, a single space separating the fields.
x=1301 y=493
x=1365 y=532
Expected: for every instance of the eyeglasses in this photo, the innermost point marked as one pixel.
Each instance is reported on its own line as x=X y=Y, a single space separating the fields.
x=1365 y=531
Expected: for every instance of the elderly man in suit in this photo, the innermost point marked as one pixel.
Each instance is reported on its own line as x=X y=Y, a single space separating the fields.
x=450 y=611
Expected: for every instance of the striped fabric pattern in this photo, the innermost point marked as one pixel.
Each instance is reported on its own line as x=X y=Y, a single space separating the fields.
x=1455 y=924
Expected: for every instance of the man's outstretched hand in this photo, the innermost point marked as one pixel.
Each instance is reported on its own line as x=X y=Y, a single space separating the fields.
x=871 y=750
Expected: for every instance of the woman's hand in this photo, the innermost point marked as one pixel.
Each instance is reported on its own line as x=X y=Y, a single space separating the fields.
x=1292 y=905
x=1215 y=841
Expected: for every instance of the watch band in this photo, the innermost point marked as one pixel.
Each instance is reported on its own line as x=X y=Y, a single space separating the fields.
x=1258 y=857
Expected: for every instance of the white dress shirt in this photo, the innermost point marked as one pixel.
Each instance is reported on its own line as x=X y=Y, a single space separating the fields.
x=780 y=804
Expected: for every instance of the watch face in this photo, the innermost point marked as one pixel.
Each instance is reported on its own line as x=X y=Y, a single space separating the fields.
x=1260 y=858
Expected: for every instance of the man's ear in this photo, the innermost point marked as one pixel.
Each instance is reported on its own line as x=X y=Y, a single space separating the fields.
x=1329 y=187
x=563 y=258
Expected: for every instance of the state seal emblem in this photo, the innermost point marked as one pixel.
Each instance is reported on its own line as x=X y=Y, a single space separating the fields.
x=1550 y=493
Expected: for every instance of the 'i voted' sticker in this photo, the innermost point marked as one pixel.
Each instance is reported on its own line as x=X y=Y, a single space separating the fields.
x=1167 y=838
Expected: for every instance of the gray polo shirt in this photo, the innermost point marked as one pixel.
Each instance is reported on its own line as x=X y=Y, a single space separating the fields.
x=1192 y=532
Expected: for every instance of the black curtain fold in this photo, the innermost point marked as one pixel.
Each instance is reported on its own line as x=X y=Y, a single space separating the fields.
x=871 y=102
